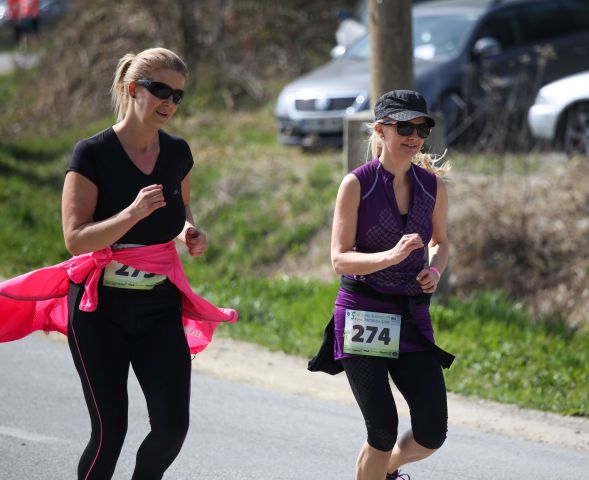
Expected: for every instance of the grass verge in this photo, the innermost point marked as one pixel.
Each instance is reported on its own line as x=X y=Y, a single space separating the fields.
x=502 y=353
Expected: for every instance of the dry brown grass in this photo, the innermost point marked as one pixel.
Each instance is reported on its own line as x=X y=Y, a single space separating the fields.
x=244 y=49
x=527 y=235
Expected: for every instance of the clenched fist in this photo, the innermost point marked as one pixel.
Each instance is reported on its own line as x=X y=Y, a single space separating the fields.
x=404 y=247
x=428 y=280
x=196 y=241
x=147 y=201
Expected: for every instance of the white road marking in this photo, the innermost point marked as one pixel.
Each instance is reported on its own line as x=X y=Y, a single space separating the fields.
x=29 y=436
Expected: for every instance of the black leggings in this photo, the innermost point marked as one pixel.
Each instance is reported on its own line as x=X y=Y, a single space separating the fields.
x=418 y=376
x=143 y=330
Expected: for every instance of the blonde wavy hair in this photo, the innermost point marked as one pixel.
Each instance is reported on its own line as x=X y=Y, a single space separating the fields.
x=431 y=162
x=133 y=67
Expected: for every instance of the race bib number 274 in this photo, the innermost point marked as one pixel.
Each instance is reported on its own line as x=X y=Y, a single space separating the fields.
x=372 y=333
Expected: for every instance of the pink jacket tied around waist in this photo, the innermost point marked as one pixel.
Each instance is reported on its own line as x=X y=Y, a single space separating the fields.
x=38 y=300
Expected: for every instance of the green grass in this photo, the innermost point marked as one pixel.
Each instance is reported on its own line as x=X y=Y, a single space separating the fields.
x=8 y=85
x=260 y=201
x=31 y=178
x=30 y=225
x=263 y=224
x=502 y=353
x=30 y=184
x=287 y=315
x=257 y=200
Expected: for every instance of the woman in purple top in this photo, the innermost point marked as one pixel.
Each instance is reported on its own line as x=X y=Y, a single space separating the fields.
x=386 y=212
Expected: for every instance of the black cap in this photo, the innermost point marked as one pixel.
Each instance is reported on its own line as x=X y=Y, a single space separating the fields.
x=402 y=105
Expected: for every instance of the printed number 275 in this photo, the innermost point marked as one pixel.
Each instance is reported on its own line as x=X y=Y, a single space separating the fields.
x=124 y=272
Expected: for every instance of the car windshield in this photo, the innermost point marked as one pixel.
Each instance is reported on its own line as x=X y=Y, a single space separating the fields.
x=433 y=36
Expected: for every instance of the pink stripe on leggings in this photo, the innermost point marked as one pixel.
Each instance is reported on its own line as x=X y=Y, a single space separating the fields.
x=93 y=399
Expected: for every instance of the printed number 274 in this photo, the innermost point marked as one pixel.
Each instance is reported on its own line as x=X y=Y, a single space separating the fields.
x=360 y=330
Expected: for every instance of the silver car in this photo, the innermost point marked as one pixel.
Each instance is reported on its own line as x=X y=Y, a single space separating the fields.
x=478 y=63
x=560 y=114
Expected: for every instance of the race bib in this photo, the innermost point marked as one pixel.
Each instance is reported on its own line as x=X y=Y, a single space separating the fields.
x=119 y=275
x=372 y=333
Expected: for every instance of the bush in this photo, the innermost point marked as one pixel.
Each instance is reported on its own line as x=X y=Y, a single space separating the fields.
x=525 y=234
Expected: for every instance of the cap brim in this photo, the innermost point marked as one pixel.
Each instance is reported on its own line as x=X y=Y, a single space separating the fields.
x=410 y=115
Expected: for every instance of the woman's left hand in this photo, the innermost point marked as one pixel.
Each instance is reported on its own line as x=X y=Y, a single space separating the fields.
x=428 y=280
x=196 y=241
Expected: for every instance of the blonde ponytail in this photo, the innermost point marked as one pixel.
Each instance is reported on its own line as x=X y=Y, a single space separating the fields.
x=119 y=93
x=433 y=163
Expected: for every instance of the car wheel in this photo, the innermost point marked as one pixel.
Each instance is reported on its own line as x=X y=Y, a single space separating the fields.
x=575 y=132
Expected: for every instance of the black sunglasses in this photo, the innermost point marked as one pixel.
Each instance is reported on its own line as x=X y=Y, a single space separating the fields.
x=405 y=128
x=162 y=90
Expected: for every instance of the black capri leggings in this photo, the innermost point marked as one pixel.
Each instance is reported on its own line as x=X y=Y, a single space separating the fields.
x=418 y=376
x=142 y=329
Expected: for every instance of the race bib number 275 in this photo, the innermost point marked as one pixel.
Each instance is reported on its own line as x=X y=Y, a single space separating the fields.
x=118 y=275
x=372 y=333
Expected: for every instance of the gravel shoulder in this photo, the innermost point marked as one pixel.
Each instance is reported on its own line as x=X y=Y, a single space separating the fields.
x=255 y=365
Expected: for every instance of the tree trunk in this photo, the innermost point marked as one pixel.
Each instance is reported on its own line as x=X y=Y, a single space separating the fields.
x=189 y=34
x=391 y=43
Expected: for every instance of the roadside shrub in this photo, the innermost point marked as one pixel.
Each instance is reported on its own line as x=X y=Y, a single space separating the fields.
x=526 y=235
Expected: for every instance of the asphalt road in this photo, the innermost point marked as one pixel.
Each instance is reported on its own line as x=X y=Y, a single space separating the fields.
x=9 y=61
x=237 y=432
x=6 y=63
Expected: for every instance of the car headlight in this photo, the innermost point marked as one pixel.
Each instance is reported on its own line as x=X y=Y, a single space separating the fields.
x=362 y=102
x=282 y=104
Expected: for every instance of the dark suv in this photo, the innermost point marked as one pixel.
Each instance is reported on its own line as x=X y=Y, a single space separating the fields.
x=476 y=62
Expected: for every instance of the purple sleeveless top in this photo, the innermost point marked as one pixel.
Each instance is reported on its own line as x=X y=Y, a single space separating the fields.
x=380 y=227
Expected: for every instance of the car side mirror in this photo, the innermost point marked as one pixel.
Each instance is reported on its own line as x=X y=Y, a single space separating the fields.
x=338 y=51
x=486 y=47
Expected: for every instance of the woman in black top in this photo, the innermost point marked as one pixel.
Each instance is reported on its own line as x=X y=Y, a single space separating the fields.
x=130 y=186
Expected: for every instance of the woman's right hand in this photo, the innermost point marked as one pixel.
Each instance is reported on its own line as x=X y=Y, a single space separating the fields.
x=147 y=201
x=404 y=247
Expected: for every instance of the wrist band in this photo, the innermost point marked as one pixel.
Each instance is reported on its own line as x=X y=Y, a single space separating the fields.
x=434 y=269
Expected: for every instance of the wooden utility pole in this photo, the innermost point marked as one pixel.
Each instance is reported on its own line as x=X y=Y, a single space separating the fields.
x=189 y=34
x=391 y=43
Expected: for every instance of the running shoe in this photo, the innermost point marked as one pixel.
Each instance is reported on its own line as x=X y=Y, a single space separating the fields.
x=396 y=475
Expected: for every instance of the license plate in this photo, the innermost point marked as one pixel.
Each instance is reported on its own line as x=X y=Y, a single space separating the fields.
x=321 y=125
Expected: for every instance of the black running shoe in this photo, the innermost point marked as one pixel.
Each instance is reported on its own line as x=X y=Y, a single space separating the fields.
x=396 y=475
